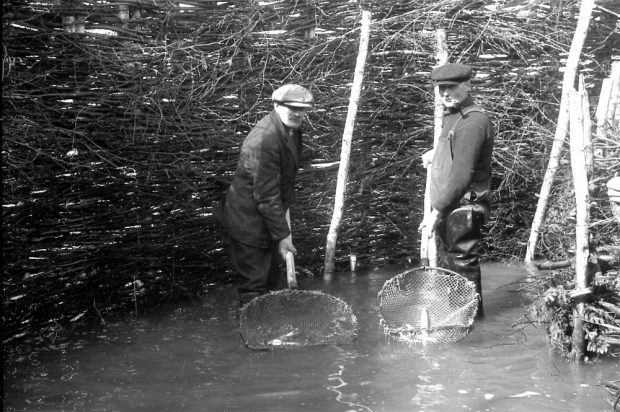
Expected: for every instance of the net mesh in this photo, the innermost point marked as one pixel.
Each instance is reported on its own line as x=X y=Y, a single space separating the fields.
x=296 y=318
x=427 y=305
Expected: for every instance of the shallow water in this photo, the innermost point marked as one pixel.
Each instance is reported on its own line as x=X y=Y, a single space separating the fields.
x=191 y=358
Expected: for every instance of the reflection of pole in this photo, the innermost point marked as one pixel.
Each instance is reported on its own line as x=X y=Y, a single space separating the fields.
x=579 y=136
x=572 y=62
x=343 y=170
x=428 y=245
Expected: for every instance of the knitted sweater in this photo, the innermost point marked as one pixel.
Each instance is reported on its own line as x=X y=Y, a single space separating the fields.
x=461 y=168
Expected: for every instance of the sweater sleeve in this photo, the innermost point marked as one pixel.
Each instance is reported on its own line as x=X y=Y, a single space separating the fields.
x=468 y=142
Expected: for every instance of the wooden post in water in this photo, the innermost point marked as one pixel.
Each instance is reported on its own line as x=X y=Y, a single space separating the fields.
x=345 y=152
x=570 y=71
x=428 y=243
x=579 y=136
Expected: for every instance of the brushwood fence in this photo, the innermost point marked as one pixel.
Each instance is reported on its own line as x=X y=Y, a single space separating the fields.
x=122 y=123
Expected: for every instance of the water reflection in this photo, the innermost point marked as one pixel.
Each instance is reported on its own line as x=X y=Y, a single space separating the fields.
x=339 y=388
x=191 y=358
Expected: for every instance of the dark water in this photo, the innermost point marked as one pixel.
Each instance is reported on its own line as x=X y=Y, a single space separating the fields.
x=191 y=358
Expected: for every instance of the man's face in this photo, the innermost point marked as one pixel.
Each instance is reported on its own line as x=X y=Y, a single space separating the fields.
x=452 y=95
x=291 y=116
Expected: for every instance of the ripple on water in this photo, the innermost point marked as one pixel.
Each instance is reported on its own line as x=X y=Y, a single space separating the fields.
x=191 y=358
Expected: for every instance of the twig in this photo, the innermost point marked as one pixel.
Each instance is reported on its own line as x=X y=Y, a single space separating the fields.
x=98 y=313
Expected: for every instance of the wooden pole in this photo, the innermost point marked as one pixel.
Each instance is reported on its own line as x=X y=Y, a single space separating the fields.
x=578 y=155
x=572 y=62
x=428 y=244
x=604 y=110
x=613 y=111
x=586 y=129
x=603 y=105
x=343 y=170
x=608 y=99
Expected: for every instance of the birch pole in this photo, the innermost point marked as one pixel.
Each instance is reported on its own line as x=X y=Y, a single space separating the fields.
x=586 y=127
x=613 y=111
x=608 y=99
x=579 y=136
x=428 y=244
x=345 y=151
x=585 y=13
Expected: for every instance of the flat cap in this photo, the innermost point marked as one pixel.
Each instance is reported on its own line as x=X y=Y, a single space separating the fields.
x=293 y=95
x=451 y=73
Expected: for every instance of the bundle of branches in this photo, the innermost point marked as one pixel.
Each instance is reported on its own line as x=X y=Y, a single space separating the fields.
x=553 y=302
x=116 y=146
x=553 y=297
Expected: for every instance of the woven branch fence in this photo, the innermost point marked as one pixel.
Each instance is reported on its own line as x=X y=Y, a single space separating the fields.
x=122 y=124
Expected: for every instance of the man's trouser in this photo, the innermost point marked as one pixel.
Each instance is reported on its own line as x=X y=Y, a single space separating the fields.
x=460 y=234
x=258 y=269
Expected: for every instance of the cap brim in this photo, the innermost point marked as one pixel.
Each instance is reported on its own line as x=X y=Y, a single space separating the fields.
x=447 y=82
x=295 y=104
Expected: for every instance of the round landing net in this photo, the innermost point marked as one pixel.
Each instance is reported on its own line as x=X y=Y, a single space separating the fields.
x=297 y=318
x=427 y=305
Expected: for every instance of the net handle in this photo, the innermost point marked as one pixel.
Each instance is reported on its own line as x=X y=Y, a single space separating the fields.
x=291 y=279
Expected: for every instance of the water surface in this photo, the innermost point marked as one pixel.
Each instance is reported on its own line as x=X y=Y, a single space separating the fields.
x=191 y=358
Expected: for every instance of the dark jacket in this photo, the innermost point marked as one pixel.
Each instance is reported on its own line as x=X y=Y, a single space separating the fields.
x=461 y=168
x=262 y=188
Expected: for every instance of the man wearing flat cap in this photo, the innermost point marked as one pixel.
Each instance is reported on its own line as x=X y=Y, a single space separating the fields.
x=460 y=187
x=255 y=212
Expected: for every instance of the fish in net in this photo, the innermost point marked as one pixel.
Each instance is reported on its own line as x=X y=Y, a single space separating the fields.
x=292 y=318
x=427 y=305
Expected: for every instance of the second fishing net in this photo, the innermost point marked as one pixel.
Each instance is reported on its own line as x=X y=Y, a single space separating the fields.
x=427 y=305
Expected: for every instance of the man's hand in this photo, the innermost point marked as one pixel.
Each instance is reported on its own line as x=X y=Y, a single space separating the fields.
x=427 y=158
x=430 y=222
x=286 y=245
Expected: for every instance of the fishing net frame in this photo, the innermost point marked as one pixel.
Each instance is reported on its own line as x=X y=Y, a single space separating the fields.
x=292 y=318
x=445 y=300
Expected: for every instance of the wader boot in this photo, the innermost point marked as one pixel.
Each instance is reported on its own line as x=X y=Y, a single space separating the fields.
x=460 y=235
x=474 y=276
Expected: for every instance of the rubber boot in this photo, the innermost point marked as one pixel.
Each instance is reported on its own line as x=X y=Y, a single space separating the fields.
x=475 y=276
